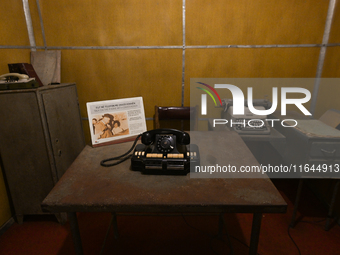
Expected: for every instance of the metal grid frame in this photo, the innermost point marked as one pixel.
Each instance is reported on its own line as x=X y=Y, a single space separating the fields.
x=323 y=46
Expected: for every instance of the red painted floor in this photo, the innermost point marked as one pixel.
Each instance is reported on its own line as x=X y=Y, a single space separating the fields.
x=181 y=234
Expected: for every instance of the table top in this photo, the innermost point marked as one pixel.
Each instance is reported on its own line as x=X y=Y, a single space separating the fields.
x=87 y=186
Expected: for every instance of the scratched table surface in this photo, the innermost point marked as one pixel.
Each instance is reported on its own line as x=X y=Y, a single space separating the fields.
x=87 y=186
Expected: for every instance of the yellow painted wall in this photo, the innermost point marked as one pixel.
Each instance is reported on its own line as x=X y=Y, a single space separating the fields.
x=156 y=74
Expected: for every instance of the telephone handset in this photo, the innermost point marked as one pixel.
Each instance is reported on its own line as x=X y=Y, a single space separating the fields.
x=165 y=151
x=149 y=137
x=14 y=77
x=17 y=81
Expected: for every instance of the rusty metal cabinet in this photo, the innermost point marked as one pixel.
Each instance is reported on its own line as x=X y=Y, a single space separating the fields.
x=41 y=134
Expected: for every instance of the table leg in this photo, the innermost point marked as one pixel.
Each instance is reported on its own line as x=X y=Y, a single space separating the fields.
x=115 y=225
x=72 y=216
x=255 y=233
x=296 y=204
x=331 y=207
x=220 y=226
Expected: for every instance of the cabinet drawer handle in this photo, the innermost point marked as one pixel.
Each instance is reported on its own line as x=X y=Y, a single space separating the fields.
x=331 y=153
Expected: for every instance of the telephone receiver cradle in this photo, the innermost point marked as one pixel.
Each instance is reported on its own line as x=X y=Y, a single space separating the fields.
x=165 y=151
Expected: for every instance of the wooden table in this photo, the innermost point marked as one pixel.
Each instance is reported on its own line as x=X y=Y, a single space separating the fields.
x=87 y=186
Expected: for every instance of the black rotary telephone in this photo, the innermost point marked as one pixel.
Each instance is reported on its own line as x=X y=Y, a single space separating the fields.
x=163 y=151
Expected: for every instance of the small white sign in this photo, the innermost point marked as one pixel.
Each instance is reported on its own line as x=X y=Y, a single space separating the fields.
x=115 y=119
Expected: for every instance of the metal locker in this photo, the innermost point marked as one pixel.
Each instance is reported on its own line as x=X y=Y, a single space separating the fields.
x=40 y=136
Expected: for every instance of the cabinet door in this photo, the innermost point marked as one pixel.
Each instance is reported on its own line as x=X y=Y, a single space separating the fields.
x=64 y=125
x=24 y=156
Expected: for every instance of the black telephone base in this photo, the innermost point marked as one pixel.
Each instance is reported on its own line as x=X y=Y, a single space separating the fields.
x=146 y=160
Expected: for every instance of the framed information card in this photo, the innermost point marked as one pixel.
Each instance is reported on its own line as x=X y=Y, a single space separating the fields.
x=116 y=120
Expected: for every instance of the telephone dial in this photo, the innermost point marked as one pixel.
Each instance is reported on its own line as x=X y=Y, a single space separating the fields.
x=162 y=151
x=165 y=151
